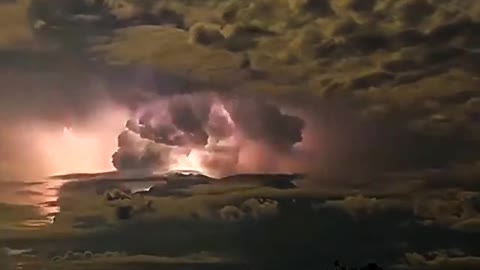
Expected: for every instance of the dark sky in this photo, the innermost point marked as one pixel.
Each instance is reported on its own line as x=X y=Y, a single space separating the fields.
x=376 y=100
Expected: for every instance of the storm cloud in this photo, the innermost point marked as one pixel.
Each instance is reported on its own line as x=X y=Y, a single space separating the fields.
x=212 y=127
x=375 y=100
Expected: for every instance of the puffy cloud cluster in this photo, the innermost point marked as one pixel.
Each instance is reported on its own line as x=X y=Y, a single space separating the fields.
x=442 y=259
x=460 y=211
x=86 y=255
x=238 y=220
x=205 y=131
x=360 y=206
x=251 y=208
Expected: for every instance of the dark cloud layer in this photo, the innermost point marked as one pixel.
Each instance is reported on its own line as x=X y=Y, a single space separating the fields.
x=265 y=122
x=307 y=227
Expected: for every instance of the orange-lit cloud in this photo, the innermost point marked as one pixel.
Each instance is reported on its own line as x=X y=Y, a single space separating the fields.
x=84 y=147
x=215 y=135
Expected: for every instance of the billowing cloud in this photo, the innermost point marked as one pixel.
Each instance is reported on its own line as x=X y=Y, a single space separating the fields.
x=376 y=100
x=251 y=208
x=211 y=133
x=359 y=206
x=265 y=122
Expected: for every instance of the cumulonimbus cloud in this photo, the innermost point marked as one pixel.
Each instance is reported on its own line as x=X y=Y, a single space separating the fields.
x=210 y=132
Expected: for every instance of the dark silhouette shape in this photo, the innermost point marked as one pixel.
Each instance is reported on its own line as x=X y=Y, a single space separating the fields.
x=371 y=266
x=246 y=62
x=124 y=212
x=336 y=264
x=149 y=205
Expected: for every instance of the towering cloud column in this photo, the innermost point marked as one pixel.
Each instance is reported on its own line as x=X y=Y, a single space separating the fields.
x=213 y=134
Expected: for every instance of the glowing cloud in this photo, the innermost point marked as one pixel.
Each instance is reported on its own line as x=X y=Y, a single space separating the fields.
x=211 y=134
x=76 y=147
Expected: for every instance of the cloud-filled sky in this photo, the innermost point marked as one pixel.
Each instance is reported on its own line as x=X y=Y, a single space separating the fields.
x=376 y=101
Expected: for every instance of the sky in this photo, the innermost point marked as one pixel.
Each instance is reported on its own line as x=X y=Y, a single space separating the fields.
x=375 y=102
